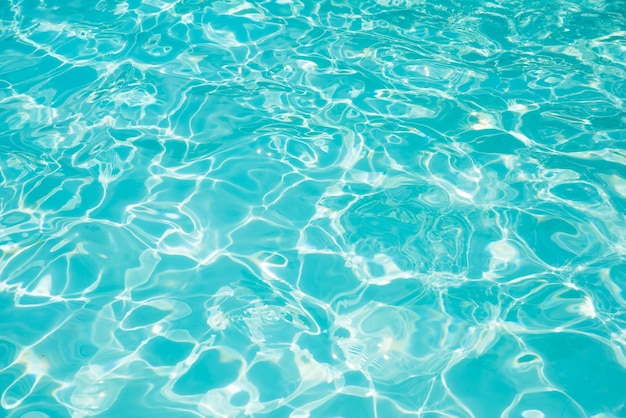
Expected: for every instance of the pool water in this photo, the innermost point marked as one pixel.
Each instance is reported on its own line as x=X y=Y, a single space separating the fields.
x=325 y=209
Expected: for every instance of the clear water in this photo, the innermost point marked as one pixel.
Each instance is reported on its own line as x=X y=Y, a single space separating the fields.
x=319 y=209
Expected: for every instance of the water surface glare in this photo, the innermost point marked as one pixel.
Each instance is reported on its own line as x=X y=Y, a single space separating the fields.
x=313 y=209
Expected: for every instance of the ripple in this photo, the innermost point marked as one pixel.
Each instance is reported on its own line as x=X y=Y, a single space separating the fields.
x=389 y=208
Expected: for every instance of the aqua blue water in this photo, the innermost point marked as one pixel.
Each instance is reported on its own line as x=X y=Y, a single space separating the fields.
x=325 y=209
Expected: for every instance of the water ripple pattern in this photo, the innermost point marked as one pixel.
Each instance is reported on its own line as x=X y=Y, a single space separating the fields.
x=313 y=209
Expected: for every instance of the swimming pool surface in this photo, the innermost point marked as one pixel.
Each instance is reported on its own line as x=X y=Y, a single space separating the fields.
x=324 y=209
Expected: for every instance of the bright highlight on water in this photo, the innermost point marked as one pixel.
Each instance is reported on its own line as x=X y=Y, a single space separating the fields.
x=313 y=209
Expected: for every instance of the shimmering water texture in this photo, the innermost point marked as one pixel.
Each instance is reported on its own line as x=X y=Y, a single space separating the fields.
x=316 y=209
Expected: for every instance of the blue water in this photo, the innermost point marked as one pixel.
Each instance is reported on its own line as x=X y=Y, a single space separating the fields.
x=294 y=208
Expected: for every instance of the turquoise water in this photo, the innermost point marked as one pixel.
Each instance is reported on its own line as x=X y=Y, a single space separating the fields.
x=325 y=209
